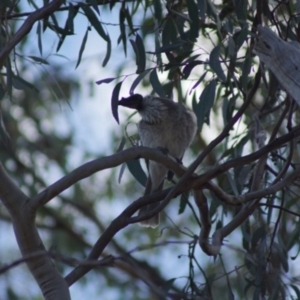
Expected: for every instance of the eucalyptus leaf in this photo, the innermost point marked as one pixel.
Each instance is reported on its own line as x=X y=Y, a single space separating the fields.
x=206 y=101
x=39 y=59
x=39 y=33
x=140 y=54
x=194 y=24
x=136 y=170
x=115 y=101
x=94 y=20
x=156 y=85
x=83 y=43
x=202 y=6
x=21 y=84
x=141 y=57
x=137 y=81
x=2 y=92
x=108 y=52
x=123 y=30
x=106 y=80
x=199 y=81
x=214 y=62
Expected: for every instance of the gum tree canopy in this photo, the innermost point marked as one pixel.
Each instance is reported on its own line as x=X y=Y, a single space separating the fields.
x=230 y=216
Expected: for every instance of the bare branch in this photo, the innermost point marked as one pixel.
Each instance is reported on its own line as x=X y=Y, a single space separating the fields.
x=107 y=162
x=107 y=261
x=29 y=241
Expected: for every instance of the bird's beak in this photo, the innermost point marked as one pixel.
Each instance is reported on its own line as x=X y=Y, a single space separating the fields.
x=134 y=101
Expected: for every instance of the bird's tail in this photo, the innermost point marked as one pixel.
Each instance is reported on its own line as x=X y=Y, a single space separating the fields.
x=153 y=221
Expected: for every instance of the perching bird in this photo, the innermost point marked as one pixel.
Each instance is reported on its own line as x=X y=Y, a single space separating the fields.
x=166 y=125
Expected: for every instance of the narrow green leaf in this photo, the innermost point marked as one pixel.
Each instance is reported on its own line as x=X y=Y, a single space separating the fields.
x=168 y=88
x=189 y=67
x=39 y=33
x=194 y=102
x=122 y=144
x=293 y=237
x=232 y=183
x=136 y=170
x=228 y=108
x=134 y=47
x=172 y=47
x=214 y=62
x=39 y=59
x=194 y=24
x=6 y=138
x=122 y=169
x=181 y=15
x=157 y=46
x=95 y=6
x=115 y=101
x=157 y=9
x=106 y=80
x=60 y=42
x=258 y=235
x=240 y=9
x=128 y=17
x=183 y=202
x=247 y=65
x=33 y=4
x=213 y=12
x=240 y=36
x=156 y=85
x=9 y=77
x=202 y=6
x=238 y=149
x=169 y=33
x=141 y=54
x=2 y=92
x=139 y=78
x=199 y=81
x=138 y=47
x=296 y=290
x=94 y=20
x=69 y=25
x=206 y=101
x=71 y=16
x=108 y=52
x=123 y=29
x=82 y=47
x=166 y=286
x=224 y=110
x=21 y=84
x=231 y=47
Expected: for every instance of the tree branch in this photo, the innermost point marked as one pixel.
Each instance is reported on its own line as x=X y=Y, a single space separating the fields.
x=52 y=285
x=103 y=163
x=125 y=219
x=217 y=140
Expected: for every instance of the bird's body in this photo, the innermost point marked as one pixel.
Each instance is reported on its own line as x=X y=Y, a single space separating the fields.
x=166 y=125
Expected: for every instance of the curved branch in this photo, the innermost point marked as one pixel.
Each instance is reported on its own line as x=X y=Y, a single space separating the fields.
x=125 y=219
x=52 y=285
x=103 y=163
x=117 y=159
x=217 y=140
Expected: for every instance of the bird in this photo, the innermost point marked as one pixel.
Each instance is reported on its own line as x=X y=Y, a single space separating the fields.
x=166 y=125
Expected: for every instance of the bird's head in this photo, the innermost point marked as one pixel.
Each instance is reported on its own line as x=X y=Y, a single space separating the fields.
x=134 y=101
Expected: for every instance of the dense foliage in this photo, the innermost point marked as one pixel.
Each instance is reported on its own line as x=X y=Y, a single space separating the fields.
x=230 y=228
